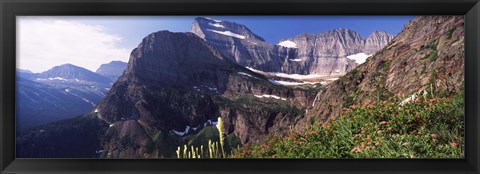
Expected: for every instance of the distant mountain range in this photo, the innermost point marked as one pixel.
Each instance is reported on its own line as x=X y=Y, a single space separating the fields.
x=62 y=92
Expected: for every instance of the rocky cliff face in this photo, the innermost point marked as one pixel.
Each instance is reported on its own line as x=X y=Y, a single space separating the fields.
x=323 y=53
x=336 y=43
x=326 y=53
x=428 y=52
x=376 y=41
x=177 y=81
x=241 y=45
x=163 y=61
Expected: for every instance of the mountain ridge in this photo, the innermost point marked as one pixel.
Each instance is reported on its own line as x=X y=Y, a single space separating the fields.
x=302 y=56
x=70 y=71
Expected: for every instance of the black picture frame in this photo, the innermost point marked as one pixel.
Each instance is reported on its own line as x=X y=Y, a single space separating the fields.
x=9 y=9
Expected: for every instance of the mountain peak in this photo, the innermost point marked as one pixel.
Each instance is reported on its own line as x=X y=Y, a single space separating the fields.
x=343 y=29
x=112 y=70
x=379 y=33
x=208 y=28
x=207 y=18
x=158 y=51
x=117 y=62
x=70 y=71
x=376 y=41
x=24 y=71
x=68 y=65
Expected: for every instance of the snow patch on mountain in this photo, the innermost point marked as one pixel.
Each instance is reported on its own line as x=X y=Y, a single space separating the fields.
x=359 y=57
x=212 y=19
x=245 y=74
x=288 y=44
x=216 y=25
x=290 y=76
x=295 y=60
x=287 y=83
x=182 y=133
x=333 y=79
x=188 y=128
x=270 y=96
x=297 y=76
x=254 y=70
x=228 y=33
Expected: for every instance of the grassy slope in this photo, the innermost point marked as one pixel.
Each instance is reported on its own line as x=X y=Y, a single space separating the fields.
x=430 y=127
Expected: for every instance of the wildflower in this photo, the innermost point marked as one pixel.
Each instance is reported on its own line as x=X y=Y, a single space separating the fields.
x=178 y=152
x=220 y=130
x=193 y=152
x=406 y=144
x=185 y=151
x=455 y=144
x=383 y=122
x=434 y=135
x=356 y=150
x=210 y=149
x=389 y=128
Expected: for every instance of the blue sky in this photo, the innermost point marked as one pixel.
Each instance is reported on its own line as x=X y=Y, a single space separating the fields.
x=89 y=41
x=271 y=28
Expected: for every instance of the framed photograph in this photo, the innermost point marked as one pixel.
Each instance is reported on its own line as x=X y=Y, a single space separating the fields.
x=239 y=87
